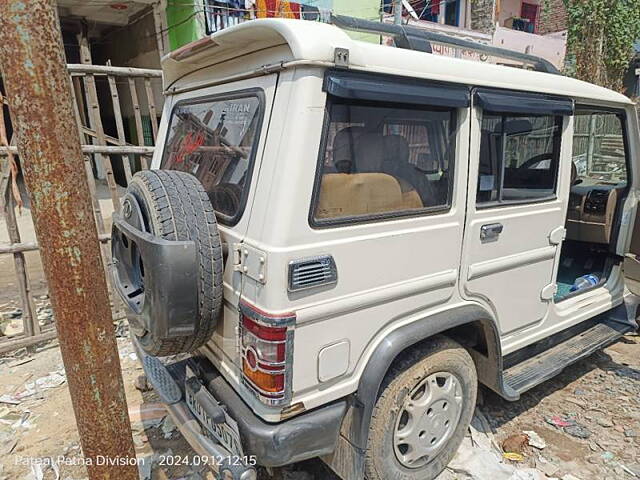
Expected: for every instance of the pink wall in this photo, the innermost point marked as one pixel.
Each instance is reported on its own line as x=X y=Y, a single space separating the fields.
x=551 y=47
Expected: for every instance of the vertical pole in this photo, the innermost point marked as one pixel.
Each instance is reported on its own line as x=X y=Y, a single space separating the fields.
x=29 y=318
x=159 y=20
x=33 y=67
x=152 y=109
x=138 y=117
x=89 y=81
x=117 y=113
x=397 y=12
x=95 y=119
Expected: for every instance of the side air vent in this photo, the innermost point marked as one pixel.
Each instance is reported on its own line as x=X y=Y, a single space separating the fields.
x=312 y=272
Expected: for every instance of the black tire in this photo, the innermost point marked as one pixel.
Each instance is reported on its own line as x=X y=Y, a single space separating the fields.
x=176 y=207
x=439 y=354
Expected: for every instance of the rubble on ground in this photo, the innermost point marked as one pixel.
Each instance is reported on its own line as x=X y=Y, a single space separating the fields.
x=581 y=425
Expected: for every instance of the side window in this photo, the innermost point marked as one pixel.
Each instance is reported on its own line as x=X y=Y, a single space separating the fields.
x=598 y=148
x=519 y=158
x=215 y=140
x=382 y=159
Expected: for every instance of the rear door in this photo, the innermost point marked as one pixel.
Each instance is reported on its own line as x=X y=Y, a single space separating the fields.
x=218 y=134
x=520 y=149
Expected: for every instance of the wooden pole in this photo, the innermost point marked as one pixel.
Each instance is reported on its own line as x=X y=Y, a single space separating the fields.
x=138 y=118
x=152 y=108
x=115 y=100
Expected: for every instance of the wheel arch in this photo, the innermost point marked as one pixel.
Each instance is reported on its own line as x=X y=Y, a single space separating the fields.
x=453 y=323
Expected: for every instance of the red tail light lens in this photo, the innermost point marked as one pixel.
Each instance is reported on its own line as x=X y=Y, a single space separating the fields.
x=266 y=347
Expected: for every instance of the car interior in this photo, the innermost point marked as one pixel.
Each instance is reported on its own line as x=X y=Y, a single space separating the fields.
x=598 y=186
x=380 y=161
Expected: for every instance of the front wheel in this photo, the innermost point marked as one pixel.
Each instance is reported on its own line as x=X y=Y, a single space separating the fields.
x=423 y=411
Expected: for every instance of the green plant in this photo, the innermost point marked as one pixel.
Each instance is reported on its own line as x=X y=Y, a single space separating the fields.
x=600 y=39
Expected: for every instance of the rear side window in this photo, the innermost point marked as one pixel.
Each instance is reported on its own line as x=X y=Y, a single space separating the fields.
x=519 y=158
x=384 y=160
x=215 y=140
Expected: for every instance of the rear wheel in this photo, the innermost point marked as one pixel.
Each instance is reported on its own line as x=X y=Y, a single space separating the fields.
x=175 y=206
x=422 y=413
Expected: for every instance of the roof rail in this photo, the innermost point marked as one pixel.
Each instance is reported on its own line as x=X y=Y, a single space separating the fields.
x=414 y=38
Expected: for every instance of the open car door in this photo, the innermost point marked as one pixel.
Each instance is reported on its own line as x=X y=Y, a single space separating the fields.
x=632 y=210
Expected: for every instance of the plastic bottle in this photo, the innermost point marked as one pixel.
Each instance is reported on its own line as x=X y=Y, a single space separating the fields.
x=585 y=281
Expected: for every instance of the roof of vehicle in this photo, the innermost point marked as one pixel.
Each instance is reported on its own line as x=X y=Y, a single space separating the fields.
x=302 y=40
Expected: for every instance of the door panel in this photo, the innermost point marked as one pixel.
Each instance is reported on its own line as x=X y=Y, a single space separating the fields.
x=515 y=213
x=512 y=271
x=632 y=252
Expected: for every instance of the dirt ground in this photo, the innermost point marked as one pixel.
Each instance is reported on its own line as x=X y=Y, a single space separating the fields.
x=597 y=398
x=8 y=286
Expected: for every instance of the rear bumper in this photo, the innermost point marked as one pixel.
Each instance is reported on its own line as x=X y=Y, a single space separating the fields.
x=305 y=436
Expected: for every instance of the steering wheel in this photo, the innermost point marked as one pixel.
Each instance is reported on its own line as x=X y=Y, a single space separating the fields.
x=537 y=159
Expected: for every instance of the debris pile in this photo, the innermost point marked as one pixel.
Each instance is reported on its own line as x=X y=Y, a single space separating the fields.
x=581 y=425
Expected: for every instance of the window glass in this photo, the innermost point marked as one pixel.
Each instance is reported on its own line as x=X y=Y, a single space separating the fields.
x=519 y=157
x=385 y=159
x=598 y=148
x=215 y=140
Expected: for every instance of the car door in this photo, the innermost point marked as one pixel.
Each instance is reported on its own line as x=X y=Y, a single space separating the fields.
x=219 y=134
x=631 y=230
x=520 y=148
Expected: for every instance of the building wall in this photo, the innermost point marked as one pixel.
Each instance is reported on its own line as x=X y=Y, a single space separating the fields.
x=132 y=46
x=553 y=17
x=550 y=47
x=367 y=9
x=183 y=22
x=187 y=21
x=483 y=16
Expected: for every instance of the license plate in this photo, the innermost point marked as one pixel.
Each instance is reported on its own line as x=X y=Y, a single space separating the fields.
x=227 y=433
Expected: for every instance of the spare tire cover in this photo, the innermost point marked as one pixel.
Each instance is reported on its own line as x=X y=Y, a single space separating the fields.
x=175 y=206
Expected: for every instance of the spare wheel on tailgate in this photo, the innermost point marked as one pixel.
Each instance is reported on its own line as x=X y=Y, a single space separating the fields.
x=168 y=261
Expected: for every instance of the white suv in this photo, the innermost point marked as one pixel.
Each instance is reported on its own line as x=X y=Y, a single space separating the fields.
x=349 y=237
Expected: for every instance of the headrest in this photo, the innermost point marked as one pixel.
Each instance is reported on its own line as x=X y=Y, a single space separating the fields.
x=369 y=153
x=396 y=149
x=343 y=148
x=518 y=126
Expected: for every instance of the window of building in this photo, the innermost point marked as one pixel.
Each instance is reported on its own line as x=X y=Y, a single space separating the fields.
x=215 y=140
x=447 y=12
x=529 y=14
x=383 y=159
x=599 y=153
x=519 y=158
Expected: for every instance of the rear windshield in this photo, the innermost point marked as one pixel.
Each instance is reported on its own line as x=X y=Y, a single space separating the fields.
x=215 y=140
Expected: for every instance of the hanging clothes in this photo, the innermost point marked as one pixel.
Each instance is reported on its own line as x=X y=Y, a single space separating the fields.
x=293 y=10
x=435 y=7
x=267 y=8
x=310 y=13
x=235 y=12
x=250 y=7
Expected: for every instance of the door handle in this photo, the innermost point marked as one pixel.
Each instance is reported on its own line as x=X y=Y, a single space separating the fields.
x=490 y=232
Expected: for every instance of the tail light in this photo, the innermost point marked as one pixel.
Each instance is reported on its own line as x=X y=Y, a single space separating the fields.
x=266 y=349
